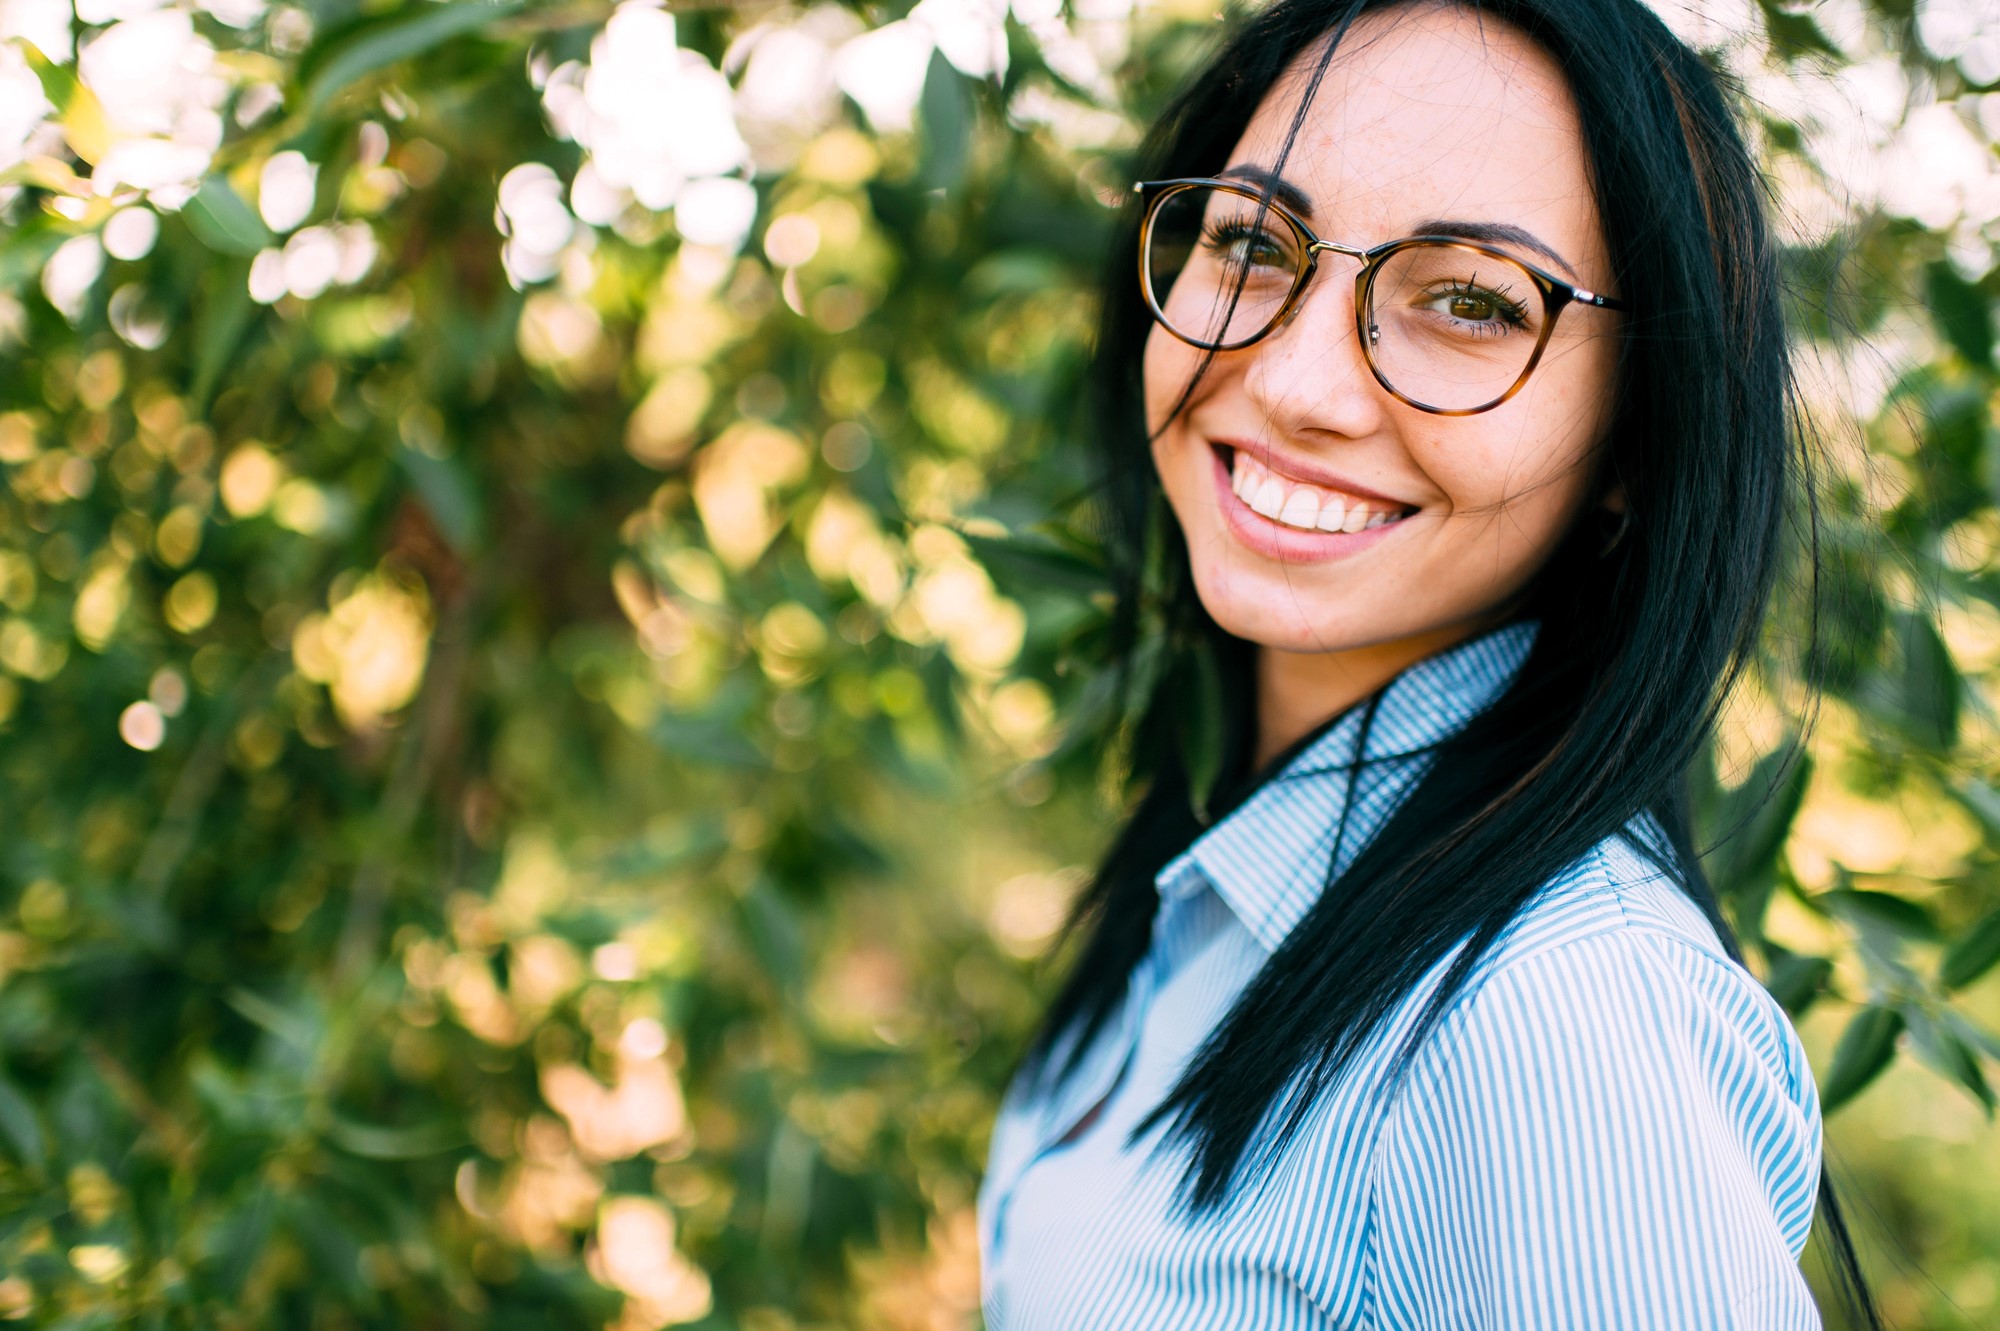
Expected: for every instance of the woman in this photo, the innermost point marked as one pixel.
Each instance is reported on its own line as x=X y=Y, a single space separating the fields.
x=1452 y=341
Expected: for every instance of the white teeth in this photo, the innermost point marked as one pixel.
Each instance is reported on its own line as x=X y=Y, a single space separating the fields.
x=1301 y=510
x=1302 y=507
x=1269 y=497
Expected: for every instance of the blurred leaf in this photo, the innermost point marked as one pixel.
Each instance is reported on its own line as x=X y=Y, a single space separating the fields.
x=1746 y=826
x=404 y=1143
x=25 y=249
x=221 y=220
x=1931 y=685
x=1963 y=313
x=1035 y=564
x=1921 y=698
x=1796 y=980
x=225 y=315
x=1013 y=271
x=299 y=1031
x=1794 y=34
x=940 y=691
x=1864 y=909
x=1942 y=1050
x=1974 y=1035
x=1982 y=800
x=1972 y=953
x=242 y=1236
x=20 y=1126
x=359 y=50
x=84 y=126
x=946 y=111
x=449 y=495
x=1865 y=1048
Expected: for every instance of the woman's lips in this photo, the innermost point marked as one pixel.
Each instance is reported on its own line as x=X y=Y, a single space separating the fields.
x=1289 y=534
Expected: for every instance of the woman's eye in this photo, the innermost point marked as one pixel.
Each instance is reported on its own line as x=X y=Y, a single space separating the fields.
x=1477 y=305
x=1475 y=308
x=1248 y=245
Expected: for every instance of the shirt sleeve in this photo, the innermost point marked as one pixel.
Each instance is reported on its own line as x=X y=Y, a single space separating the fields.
x=1620 y=1134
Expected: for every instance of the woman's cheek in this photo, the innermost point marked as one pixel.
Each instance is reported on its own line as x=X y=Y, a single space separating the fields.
x=1161 y=383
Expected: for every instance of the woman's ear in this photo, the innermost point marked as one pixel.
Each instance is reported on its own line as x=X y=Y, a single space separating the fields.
x=1616 y=510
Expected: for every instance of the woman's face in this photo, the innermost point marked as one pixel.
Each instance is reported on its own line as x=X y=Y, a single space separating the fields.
x=1428 y=120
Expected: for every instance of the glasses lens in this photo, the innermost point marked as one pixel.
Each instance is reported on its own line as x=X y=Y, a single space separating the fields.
x=1219 y=265
x=1454 y=328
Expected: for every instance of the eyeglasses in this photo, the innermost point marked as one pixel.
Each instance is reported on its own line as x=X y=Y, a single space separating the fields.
x=1448 y=325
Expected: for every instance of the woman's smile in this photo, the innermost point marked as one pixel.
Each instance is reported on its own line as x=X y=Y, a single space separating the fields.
x=1281 y=514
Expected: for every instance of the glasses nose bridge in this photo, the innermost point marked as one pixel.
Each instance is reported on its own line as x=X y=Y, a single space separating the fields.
x=1314 y=248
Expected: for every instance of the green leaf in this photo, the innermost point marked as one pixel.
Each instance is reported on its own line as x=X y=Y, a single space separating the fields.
x=702 y=738
x=1795 y=34
x=21 y=1127
x=1865 y=1048
x=226 y=313
x=1974 y=1035
x=1013 y=272
x=1035 y=563
x=241 y=1238
x=1088 y=715
x=1962 y=312
x=1796 y=980
x=221 y=220
x=354 y=53
x=947 y=115
x=1982 y=801
x=299 y=1031
x=1930 y=685
x=1883 y=910
x=1947 y=1055
x=24 y=250
x=381 y=1143
x=449 y=495
x=1747 y=825
x=1971 y=954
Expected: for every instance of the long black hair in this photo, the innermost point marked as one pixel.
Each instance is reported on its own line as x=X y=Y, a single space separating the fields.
x=1636 y=649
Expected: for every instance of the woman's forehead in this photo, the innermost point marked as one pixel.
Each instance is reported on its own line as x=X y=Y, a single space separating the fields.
x=1430 y=112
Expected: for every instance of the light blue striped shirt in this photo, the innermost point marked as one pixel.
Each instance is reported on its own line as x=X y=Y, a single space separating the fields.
x=1613 y=1127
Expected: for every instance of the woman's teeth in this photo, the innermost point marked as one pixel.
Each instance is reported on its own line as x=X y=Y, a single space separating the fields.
x=1306 y=507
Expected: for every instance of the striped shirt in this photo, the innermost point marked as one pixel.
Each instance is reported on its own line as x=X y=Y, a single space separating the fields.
x=1613 y=1126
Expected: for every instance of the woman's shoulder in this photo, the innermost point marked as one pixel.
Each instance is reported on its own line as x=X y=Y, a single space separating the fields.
x=1614 y=955
x=1623 y=890
x=1612 y=1119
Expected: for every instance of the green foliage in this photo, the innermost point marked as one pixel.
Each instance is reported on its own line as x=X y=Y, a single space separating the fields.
x=542 y=736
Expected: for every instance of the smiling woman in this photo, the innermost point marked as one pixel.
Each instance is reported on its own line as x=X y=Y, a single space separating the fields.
x=1424 y=1015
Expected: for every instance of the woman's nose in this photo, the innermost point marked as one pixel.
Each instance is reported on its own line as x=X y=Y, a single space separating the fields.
x=1310 y=373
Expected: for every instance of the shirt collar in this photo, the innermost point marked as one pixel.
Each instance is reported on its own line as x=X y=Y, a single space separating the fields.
x=1268 y=860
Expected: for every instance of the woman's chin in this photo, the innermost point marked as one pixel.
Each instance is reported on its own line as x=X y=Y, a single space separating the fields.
x=1271 y=614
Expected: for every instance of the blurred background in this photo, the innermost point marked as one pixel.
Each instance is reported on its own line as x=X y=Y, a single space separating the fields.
x=551 y=650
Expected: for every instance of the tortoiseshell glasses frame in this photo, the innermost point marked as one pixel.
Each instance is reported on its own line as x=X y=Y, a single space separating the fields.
x=1556 y=294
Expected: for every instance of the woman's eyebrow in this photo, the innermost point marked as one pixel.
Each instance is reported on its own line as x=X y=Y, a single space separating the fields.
x=1273 y=184
x=1495 y=233
x=1492 y=233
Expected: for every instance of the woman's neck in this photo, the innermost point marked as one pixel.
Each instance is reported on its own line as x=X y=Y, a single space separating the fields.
x=1297 y=691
